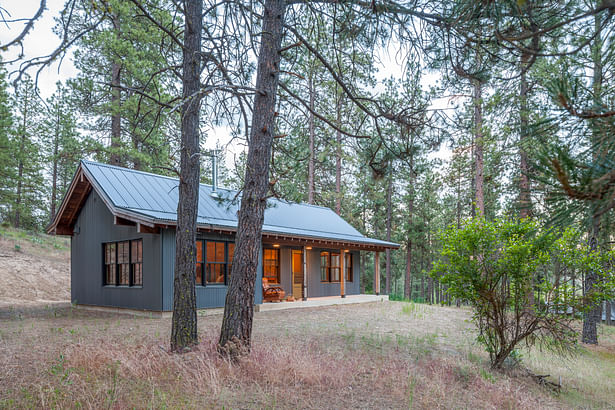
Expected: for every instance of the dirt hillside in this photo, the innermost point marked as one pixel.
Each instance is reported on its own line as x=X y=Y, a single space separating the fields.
x=34 y=268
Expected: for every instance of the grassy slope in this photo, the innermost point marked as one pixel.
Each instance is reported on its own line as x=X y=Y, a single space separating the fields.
x=33 y=268
x=387 y=355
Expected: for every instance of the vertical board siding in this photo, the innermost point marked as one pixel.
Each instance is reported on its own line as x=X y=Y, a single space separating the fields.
x=94 y=226
x=211 y=296
x=285 y=270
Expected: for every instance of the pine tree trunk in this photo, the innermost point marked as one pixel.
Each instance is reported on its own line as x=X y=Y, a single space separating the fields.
x=479 y=147
x=20 y=165
x=184 y=326
x=20 y=160
x=593 y=315
x=362 y=257
x=388 y=227
x=312 y=136
x=236 y=331
x=54 y=170
x=408 y=279
x=338 y=162
x=116 y=118
x=525 y=200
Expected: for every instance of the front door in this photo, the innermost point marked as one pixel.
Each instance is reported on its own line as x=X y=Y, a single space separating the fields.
x=297 y=274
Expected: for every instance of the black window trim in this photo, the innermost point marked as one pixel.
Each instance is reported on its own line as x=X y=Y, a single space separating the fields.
x=116 y=265
x=204 y=263
x=329 y=253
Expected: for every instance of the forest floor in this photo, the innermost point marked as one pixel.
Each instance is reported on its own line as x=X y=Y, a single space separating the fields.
x=378 y=355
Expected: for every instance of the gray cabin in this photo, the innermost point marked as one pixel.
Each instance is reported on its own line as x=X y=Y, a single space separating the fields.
x=122 y=228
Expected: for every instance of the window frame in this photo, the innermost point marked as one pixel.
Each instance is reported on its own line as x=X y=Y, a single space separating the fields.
x=207 y=263
x=278 y=275
x=204 y=262
x=348 y=267
x=327 y=269
x=117 y=265
x=337 y=267
x=324 y=269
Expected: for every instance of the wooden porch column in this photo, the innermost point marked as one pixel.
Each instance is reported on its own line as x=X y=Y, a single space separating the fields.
x=305 y=273
x=343 y=273
x=377 y=273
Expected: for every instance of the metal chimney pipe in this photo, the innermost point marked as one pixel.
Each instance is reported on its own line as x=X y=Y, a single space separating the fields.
x=214 y=172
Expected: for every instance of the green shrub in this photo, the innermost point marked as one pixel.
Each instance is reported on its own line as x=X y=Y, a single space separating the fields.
x=499 y=268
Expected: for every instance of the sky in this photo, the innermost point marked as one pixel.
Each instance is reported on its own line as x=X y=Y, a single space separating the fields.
x=41 y=41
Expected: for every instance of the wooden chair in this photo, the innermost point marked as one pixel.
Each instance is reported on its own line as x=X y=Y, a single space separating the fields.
x=272 y=292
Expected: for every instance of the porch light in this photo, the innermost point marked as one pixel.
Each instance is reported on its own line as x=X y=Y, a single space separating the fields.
x=276 y=245
x=309 y=248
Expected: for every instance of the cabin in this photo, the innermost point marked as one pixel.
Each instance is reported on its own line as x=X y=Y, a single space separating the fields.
x=122 y=228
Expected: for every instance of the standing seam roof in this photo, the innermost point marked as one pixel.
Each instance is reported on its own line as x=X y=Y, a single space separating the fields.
x=156 y=196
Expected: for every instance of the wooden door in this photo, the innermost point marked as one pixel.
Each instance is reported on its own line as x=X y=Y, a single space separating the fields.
x=297 y=274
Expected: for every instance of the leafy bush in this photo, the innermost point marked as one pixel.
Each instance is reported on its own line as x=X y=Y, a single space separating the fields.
x=501 y=269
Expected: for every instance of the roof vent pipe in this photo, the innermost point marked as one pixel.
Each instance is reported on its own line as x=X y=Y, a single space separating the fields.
x=214 y=173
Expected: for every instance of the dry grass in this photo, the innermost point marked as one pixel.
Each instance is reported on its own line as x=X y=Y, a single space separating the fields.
x=383 y=355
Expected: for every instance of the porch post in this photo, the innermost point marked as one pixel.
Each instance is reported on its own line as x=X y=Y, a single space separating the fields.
x=305 y=273
x=377 y=273
x=343 y=273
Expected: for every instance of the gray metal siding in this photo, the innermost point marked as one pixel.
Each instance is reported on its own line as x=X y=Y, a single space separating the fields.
x=94 y=226
x=285 y=270
x=210 y=296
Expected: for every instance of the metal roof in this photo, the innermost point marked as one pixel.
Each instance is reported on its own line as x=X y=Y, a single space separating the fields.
x=154 y=198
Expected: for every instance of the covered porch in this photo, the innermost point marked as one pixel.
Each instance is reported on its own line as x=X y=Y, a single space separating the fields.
x=298 y=269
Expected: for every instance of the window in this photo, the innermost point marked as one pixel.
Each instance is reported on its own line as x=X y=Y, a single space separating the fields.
x=123 y=263
x=348 y=267
x=109 y=263
x=136 y=262
x=231 y=253
x=213 y=262
x=330 y=269
x=271 y=265
x=216 y=262
x=334 y=275
x=324 y=266
x=199 y=262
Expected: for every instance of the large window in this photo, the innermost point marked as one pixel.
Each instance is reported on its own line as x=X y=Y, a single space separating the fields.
x=123 y=263
x=271 y=265
x=136 y=262
x=348 y=267
x=324 y=266
x=110 y=268
x=216 y=262
x=329 y=267
x=200 y=261
x=213 y=262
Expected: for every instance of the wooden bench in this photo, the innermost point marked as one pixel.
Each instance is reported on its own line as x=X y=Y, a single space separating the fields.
x=272 y=292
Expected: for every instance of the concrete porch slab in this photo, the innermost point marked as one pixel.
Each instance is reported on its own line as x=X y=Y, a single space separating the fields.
x=322 y=301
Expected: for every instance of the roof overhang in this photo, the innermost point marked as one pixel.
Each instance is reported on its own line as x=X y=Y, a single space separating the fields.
x=63 y=222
